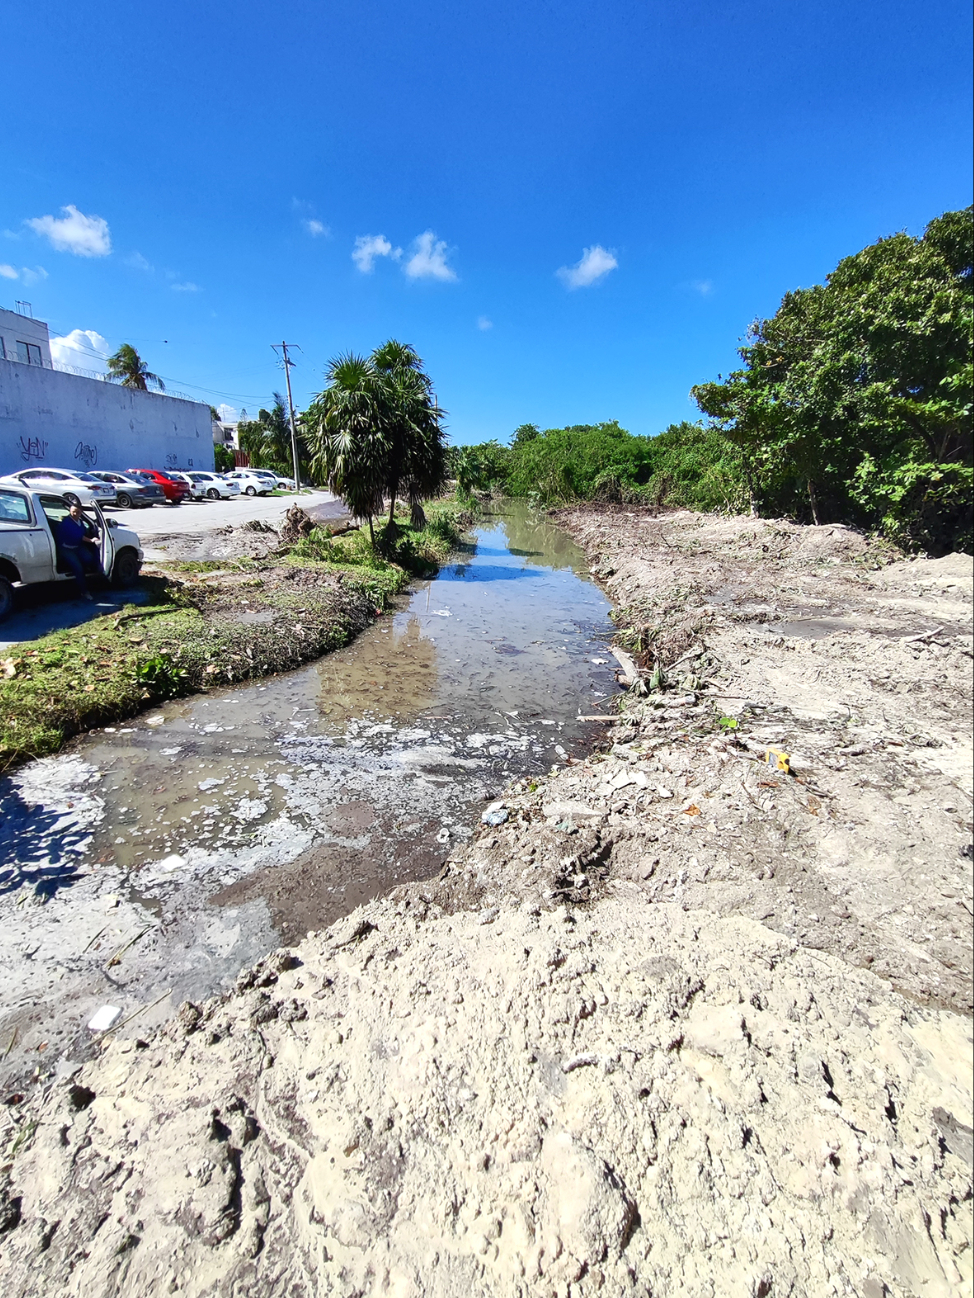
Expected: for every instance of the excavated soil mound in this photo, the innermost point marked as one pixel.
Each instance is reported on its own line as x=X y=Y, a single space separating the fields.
x=614 y=1099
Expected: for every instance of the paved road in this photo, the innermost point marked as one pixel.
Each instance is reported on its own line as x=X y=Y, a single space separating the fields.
x=195 y=517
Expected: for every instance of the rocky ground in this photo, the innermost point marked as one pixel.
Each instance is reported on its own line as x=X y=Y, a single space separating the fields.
x=676 y=1023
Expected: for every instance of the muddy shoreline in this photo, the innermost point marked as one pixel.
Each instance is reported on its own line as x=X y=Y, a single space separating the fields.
x=679 y=1023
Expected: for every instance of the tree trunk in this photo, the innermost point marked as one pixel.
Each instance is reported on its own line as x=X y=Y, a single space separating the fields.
x=813 y=501
x=751 y=488
x=371 y=532
x=392 y=509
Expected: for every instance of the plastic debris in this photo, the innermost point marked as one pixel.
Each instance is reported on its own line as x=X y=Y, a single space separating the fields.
x=496 y=814
x=104 y=1018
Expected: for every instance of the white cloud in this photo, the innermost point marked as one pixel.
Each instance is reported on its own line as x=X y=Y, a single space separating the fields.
x=228 y=414
x=595 y=264
x=368 y=247
x=702 y=286
x=85 y=348
x=428 y=260
x=138 y=262
x=484 y=323
x=85 y=236
x=27 y=274
x=187 y=287
x=316 y=228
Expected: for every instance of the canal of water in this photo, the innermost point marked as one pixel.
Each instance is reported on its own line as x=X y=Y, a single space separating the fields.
x=151 y=862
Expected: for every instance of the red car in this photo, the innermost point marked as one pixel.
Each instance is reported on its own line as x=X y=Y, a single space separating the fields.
x=174 y=490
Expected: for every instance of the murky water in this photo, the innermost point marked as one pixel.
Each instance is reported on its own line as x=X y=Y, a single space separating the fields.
x=218 y=827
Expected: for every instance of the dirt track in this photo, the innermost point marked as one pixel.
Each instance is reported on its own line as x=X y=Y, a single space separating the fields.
x=859 y=669
x=679 y=1025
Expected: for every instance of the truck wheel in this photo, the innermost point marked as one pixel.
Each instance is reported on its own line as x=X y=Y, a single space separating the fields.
x=125 y=571
x=123 y=500
x=213 y=494
x=6 y=597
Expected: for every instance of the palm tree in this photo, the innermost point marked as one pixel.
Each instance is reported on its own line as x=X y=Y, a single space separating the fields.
x=347 y=424
x=467 y=469
x=128 y=368
x=277 y=433
x=377 y=431
x=417 y=442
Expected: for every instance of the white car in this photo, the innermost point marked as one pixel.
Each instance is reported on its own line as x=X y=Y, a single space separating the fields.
x=76 y=488
x=29 y=556
x=251 y=483
x=280 y=483
x=176 y=476
x=211 y=486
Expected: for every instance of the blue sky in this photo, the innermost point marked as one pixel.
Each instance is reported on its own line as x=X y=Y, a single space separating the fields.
x=574 y=209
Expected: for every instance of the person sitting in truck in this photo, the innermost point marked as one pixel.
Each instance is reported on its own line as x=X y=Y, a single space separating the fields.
x=77 y=543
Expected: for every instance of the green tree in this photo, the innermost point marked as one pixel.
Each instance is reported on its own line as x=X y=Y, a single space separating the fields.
x=525 y=433
x=346 y=421
x=563 y=464
x=128 y=368
x=376 y=431
x=267 y=439
x=466 y=467
x=854 y=401
x=413 y=429
x=223 y=458
x=252 y=439
x=277 y=435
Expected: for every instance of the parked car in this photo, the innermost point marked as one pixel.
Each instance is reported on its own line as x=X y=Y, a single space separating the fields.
x=160 y=497
x=280 y=483
x=212 y=486
x=250 y=482
x=131 y=490
x=173 y=490
x=29 y=518
x=78 y=488
x=178 y=476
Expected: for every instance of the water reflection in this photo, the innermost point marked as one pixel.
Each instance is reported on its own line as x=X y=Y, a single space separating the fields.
x=474 y=643
x=471 y=571
x=392 y=671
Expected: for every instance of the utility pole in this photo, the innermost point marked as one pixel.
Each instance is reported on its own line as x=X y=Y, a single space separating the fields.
x=287 y=363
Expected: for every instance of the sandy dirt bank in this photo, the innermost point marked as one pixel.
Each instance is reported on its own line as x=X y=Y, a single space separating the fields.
x=676 y=1025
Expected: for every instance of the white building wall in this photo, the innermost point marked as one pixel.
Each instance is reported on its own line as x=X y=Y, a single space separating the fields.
x=16 y=329
x=68 y=422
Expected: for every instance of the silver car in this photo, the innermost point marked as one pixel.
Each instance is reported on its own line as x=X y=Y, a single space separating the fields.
x=77 y=488
x=130 y=491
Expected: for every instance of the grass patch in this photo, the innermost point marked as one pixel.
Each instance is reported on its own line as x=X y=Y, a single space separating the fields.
x=193 y=634
x=416 y=552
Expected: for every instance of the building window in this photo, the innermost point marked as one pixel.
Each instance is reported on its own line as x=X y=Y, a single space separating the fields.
x=29 y=353
x=3 y=351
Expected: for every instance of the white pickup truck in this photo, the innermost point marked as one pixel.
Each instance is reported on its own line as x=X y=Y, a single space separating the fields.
x=28 y=555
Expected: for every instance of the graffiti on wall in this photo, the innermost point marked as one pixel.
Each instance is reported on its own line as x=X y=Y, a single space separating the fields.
x=88 y=455
x=32 y=448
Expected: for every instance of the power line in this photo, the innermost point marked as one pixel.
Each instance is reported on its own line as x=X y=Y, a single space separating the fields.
x=236 y=396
